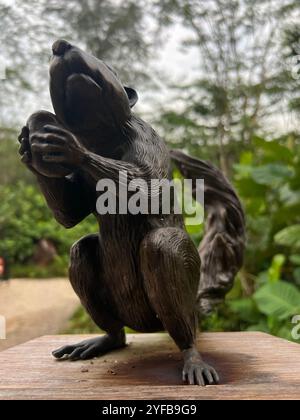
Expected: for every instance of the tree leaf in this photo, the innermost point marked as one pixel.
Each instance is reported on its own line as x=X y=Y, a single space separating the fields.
x=245 y=309
x=273 y=149
x=262 y=326
x=271 y=174
x=279 y=300
x=289 y=236
x=295 y=259
x=296 y=275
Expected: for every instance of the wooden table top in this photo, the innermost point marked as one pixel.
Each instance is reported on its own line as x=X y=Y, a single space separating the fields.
x=251 y=366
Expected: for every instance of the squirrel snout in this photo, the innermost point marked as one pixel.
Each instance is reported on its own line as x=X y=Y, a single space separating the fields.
x=60 y=47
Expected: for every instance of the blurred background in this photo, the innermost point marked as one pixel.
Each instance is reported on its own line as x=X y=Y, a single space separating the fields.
x=218 y=79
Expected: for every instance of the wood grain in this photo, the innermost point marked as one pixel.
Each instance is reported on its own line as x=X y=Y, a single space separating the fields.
x=251 y=366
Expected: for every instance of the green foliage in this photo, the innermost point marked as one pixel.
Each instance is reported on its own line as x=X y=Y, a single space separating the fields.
x=81 y=323
x=58 y=268
x=280 y=300
x=266 y=295
x=11 y=170
x=24 y=220
x=290 y=236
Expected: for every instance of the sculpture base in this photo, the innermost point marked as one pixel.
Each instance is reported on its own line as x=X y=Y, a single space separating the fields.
x=250 y=365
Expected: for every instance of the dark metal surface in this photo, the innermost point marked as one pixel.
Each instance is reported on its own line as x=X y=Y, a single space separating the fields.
x=141 y=271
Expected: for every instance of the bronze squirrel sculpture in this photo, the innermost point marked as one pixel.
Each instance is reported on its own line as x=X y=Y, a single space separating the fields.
x=141 y=271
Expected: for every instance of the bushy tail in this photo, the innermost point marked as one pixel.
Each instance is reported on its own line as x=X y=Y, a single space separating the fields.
x=222 y=248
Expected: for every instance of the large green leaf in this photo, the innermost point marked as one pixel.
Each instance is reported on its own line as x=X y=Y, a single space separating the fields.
x=262 y=326
x=295 y=181
x=242 y=170
x=272 y=174
x=273 y=149
x=288 y=196
x=295 y=259
x=296 y=275
x=246 y=309
x=248 y=188
x=246 y=158
x=280 y=300
x=289 y=236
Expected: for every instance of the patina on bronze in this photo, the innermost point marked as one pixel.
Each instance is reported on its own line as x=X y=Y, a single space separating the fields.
x=140 y=271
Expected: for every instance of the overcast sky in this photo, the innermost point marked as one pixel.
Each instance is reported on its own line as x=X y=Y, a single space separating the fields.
x=172 y=64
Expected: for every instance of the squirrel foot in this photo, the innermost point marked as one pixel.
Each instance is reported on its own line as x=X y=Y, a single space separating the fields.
x=196 y=371
x=93 y=347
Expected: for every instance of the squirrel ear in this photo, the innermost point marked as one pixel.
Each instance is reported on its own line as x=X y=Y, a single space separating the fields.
x=132 y=96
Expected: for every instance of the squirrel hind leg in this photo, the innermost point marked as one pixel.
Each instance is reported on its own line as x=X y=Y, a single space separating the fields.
x=86 y=278
x=171 y=268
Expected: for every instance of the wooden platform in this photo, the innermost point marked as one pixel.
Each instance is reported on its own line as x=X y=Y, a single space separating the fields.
x=251 y=366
